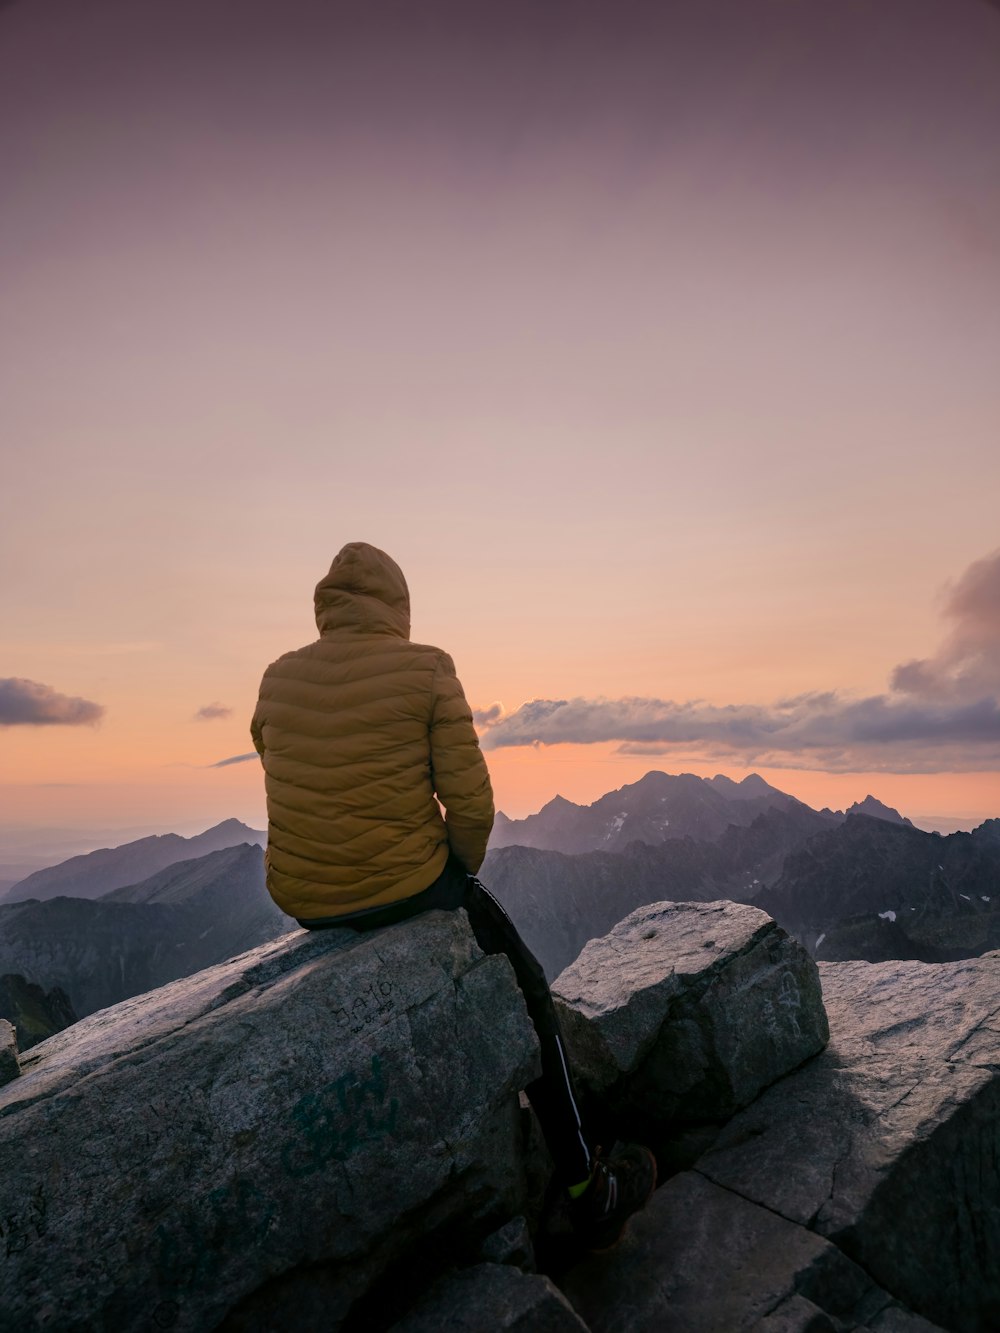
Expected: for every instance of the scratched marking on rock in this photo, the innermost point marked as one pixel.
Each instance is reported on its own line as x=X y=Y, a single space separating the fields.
x=781 y=1013
x=373 y=1003
x=772 y=1026
x=333 y=1123
x=791 y=1001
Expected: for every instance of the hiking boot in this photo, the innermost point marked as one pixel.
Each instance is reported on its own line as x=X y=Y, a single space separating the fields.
x=619 y=1187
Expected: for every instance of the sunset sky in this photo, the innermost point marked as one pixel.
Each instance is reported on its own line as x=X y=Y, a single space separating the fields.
x=659 y=343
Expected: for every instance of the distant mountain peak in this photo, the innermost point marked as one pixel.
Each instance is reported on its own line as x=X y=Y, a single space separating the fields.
x=656 y=807
x=560 y=803
x=230 y=826
x=94 y=874
x=184 y=880
x=874 y=809
x=752 y=787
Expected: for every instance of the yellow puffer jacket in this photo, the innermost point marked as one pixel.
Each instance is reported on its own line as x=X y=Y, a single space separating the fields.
x=358 y=732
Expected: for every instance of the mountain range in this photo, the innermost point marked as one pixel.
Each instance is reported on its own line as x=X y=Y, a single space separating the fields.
x=860 y=883
x=657 y=808
x=560 y=901
x=821 y=874
x=855 y=887
x=878 y=891
x=100 y=950
x=94 y=873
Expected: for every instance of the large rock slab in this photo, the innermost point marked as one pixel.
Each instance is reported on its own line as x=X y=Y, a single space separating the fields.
x=888 y=1144
x=314 y=1113
x=700 y=1259
x=686 y=1011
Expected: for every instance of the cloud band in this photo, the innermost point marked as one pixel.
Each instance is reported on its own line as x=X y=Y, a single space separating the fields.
x=235 y=759
x=29 y=703
x=942 y=713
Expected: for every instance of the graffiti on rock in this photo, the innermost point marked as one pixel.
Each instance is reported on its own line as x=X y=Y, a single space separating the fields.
x=780 y=1014
x=332 y=1124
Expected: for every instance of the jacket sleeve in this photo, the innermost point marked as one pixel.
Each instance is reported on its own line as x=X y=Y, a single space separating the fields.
x=256 y=731
x=461 y=779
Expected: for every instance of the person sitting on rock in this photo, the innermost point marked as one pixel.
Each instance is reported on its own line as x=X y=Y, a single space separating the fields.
x=362 y=734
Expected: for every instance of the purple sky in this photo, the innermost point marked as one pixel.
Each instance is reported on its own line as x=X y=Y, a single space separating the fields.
x=657 y=342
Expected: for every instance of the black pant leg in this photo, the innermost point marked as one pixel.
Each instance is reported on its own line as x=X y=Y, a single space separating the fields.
x=552 y=1096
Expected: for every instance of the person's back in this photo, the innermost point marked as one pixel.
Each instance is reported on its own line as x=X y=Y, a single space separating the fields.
x=361 y=734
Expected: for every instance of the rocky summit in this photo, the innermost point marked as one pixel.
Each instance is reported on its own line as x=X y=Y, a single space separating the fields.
x=684 y=1012
x=861 y=1192
x=324 y=1134
x=889 y=1143
x=275 y=1133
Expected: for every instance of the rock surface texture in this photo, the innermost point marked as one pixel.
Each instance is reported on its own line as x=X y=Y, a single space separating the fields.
x=496 y=1298
x=703 y=1260
x=889 y=1143
x=686 y=1011
x=286 y=1127
x=323 y=1135
x=862 y=1192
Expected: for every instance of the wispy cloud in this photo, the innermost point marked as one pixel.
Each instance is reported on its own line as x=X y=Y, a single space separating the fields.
x=209 y=712
x=941 y=713
x=235 y=759
x=29 y=703
x=967 y=664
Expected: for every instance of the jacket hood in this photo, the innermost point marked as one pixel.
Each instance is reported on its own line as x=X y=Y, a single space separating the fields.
x=364 y=591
